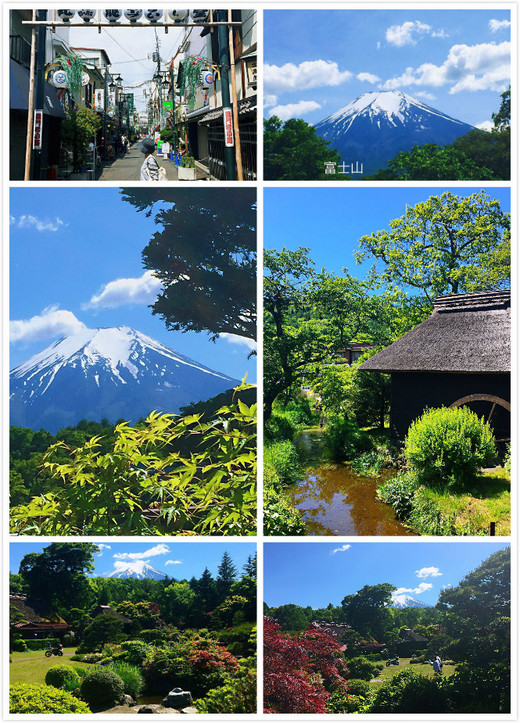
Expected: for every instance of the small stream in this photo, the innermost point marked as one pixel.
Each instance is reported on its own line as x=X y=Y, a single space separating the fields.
x=334 y=500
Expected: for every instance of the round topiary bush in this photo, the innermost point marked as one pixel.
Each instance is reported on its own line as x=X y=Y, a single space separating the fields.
x=102 y=688
x=447 y=446
x=361 y=668
x=63 y=676
x=410 y=692
x=37 y=699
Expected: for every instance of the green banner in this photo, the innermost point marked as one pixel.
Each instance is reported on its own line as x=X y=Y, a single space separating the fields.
x=167 y=104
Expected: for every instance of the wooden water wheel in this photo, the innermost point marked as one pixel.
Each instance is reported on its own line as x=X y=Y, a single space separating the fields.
x=487 y=406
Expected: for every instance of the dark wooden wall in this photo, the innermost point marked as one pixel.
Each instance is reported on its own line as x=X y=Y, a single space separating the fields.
x=412 y=392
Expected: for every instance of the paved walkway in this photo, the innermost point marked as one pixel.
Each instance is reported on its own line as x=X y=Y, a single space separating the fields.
x=128 y=167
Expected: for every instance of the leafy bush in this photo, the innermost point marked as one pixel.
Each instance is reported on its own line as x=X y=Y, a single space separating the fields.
x=356 y=686
x=102 y=688
x=152 y=636
x=18 y=645
x=41 y=643
x=368 y=463
x=237 y=695
x=345 y=440
x=280 y=426
x=131 y=676
x=281 y=463
x=447 y=446
x=361 y=668
x=400 y=493
x=136 y=651
x=239 y=640
x=345 y=703
x=38 y=699
x=279 y=517
x=63 y=676
x=481 y=690
x=409 y=692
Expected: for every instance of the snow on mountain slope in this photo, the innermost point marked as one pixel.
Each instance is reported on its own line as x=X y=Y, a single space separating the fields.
x=407 y=601
x=377 y=125
x=139 y=569
x=108 y=373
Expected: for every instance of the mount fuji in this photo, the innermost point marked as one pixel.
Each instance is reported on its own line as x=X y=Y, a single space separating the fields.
x=139 y=569
x=407 y=601
x=376 y=126
x=110 y=373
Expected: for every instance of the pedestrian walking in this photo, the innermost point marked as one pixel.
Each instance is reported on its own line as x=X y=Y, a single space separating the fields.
x=150 y=170
x=436 y=664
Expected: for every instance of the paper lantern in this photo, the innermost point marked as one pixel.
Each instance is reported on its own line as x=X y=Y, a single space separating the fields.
x=87 y=15
x=153 y=16
x=133 y=15
x=179 y=16
x=113 y=16
x=65 y=15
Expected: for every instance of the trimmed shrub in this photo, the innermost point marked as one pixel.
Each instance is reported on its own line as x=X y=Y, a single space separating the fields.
x=345 y=440
x=38 y=699
x=131 y=677
x=102 y=688
x=447 y=446
x=356 y=686
x=409 y=692
x=135 y=651
x=281 y=463
x=341 y=703
x=361 y=668
x=238 y=695
x=41 y=643
x=152 y=636
x=63 y=676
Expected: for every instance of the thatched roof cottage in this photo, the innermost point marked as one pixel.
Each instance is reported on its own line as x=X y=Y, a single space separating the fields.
x=461 y=355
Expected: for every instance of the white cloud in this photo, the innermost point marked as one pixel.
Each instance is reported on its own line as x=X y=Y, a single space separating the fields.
x=102 y=547
x=368 y=78
x=309 y=74
x=28 y=221
x=294 y=110
x=467 y=67
x=151 y=552
x=495 y=25
x=143 y=290
x=341 y=549
x=50 y=323
x=406 y=34
x=240 y=340
x=428 y=572
x=270 y=100
x=173 y=562
x=486 y=125
x=424 y=94
x=422 y=587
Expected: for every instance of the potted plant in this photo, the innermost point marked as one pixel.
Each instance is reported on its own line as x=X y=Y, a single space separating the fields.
x=187 y=169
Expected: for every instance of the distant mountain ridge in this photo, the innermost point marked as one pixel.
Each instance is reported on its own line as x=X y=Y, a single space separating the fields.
x=407 y=601
x=373 y=128
x=138 y=569
x=113 y=373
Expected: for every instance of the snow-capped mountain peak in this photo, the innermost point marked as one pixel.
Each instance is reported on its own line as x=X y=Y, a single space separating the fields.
x=139 y=569
x=407 y=601
x=108 y=373
x=374 y=127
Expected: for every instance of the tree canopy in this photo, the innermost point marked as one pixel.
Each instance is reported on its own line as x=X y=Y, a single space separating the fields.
x=448 y=244
x=205 y=256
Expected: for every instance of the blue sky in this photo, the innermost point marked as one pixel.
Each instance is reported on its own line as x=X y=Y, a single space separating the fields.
x=317 y=61
x=316 y=574
x=181 y=560
x=330 y=221
x=75 y=258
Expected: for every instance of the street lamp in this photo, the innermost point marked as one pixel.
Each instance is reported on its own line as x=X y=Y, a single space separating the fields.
x=105 y=103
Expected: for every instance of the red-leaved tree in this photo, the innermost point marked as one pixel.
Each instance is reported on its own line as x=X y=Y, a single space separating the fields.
x=300 y=671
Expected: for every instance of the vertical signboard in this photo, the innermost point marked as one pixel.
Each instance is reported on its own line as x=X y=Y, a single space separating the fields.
x=228 y=127
x=38 y=130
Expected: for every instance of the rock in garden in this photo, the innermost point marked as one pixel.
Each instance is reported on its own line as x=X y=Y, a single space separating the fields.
x=189 y=710
x=177 y=698
x=148 y=709
x=128 y=700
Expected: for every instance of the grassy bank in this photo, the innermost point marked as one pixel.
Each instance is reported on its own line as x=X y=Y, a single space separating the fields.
x=31 y=666
x=421 y=668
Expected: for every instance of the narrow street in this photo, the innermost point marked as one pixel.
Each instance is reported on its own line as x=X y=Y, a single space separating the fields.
x=128 y=167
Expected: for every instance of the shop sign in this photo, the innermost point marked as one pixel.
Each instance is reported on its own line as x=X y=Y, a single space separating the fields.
x=228 y=127
x=38 y=130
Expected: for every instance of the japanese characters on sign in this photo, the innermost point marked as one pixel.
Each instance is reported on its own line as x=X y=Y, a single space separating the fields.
x=344 y=168
x=228 y=128
x=38 y=130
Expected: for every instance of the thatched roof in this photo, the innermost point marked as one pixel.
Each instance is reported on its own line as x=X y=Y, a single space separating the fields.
x=466 y=333
x=107 y=610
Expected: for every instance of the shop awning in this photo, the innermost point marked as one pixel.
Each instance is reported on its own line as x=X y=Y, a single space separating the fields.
x=245 y=106
x=19 y=92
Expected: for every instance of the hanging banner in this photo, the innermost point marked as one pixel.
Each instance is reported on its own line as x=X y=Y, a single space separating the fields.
x=99 y=100
x=38 y=130
x=228 y=127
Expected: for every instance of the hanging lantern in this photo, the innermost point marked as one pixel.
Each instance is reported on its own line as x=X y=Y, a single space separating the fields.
x=179 y=16
x=113 y=16
x=133 y=15
x=153 y=16
x=65 y=15
x=87 y=15
x=199 y=16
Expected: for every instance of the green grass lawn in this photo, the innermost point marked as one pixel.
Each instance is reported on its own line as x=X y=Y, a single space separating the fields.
x=421 y=668
x=31 y=666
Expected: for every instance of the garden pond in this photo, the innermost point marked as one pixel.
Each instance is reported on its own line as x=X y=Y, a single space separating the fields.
x=333 y=500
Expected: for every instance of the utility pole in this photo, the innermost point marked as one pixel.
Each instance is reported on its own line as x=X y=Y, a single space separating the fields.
x=223 y=46
x=39 y=94
x=30 y=105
